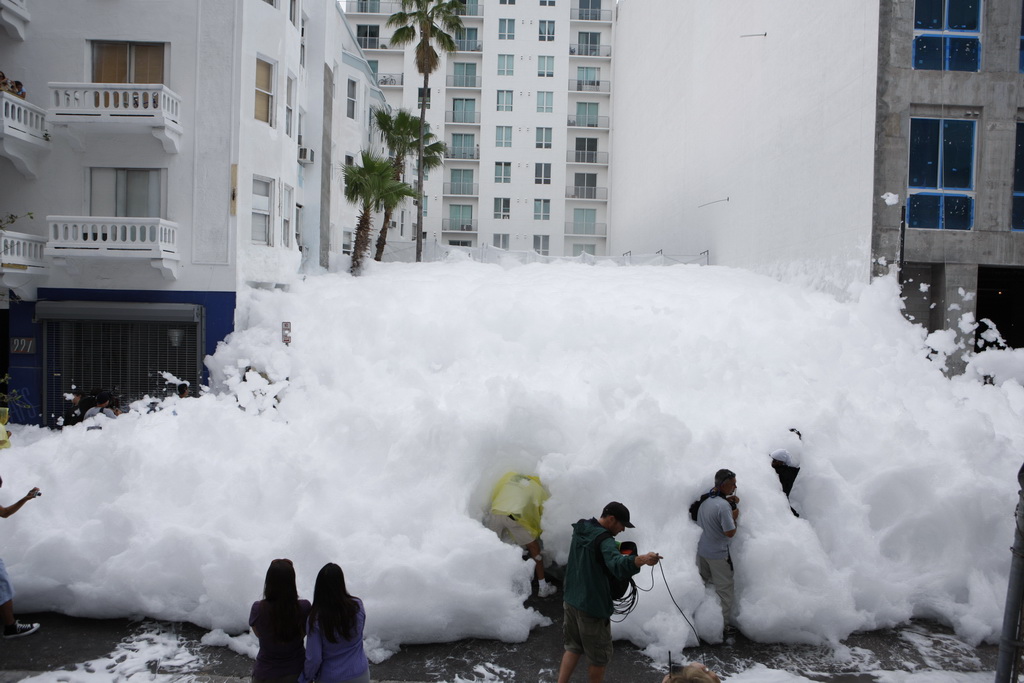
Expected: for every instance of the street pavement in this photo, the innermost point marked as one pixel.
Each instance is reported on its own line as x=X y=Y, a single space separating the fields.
x=64 y=642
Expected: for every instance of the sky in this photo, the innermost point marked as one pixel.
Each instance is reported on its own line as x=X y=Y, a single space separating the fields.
x=374 y=438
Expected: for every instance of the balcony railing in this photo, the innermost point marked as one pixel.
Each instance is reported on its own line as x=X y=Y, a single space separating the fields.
x=577 y=14
x=470 y=189
x=119 y=106
x=584 y=157
x=14 y=18
x=462 y=81
x=462 y=117
x=572 y=228
x=120 y=238
x=467 y=45
x=585 y=192
x=462 y=152
x=589 y=50
x=22 y=251
x=454 y=225
x=23 y=136
x=470 y=9
x=577 y=85
x=372 y=7
x=587 y=121
x=390 y=79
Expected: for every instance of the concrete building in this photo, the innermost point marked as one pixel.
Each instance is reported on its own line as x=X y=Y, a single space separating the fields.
x=523 y=107
x=170 y=152
x=801 y=134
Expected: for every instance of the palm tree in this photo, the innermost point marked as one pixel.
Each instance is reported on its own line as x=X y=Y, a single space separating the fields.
x=372 y=187
x=433 y=22
x=400 y=133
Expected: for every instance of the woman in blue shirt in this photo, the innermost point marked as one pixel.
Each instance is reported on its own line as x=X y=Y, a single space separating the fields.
x=334 y=640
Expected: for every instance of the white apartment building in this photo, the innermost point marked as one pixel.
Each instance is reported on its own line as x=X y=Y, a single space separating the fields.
x=170 y=152
x=524 y=108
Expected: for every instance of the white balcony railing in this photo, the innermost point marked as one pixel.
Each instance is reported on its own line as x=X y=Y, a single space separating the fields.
x=22 y=251
x=104 y=237
x=123 y=106
x=23 y=136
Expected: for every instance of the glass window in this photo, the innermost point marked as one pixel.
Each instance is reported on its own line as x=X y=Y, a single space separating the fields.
x=506 y=2
x=506 y=29
x=547 y=3
x=503 y=136
x=419 y=97
x=581 y=249
x=461 y=217
x=541 y=244
x=286 y=215
x=465 y=75
x=1018 y=181
x=463 y=110
x=463 y=146
x=544 y=138
x=941 y=174
x=546 y=30
x=501 y=240
x=586 y=115
x=127 y=62
x=462 y=182
x=947 y=35
x=546 y=66
x=368 y=36
x=502 y=207
x=503 y=171
x=127 y=192
x=504 y=100
x=545 y=101
x=350 y=99
x=264 y=110
x=262 y=192
x=506 y=65
x=289 y=108
x=542 y=174
x=541 y=209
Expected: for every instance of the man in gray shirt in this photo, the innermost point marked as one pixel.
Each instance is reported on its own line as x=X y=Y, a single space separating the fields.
x=717 y=517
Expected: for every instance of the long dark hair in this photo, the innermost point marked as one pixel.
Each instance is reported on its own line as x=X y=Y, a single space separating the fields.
x=281 y=598
x=333 y=607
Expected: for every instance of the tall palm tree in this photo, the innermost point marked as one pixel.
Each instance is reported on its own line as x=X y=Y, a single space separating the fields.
x=372 y=187
x=400 y=133
x=432 y=22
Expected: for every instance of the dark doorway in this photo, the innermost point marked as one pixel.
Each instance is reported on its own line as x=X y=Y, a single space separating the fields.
x=1001 y=300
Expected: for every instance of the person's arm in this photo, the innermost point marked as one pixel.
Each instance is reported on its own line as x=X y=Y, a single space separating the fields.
x=314 y=654
x=254 y=613
x=6 y=512
x=728 y=522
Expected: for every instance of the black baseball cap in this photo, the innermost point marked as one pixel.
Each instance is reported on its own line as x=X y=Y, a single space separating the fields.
x=619 y=512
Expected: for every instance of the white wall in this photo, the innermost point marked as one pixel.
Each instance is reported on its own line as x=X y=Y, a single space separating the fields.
x=782 y=124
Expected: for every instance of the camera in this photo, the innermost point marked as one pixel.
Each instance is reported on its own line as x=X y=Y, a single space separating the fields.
x=38 y=493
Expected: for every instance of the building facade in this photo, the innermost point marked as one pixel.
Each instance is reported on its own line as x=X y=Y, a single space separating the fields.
x=166 y=154
x=524 y=108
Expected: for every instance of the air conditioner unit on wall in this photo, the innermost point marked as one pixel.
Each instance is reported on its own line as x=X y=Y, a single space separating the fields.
x=306 y=155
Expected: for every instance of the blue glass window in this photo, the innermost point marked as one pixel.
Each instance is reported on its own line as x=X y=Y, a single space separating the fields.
x=941 y=174
x=1017 y=221
x=947 y=35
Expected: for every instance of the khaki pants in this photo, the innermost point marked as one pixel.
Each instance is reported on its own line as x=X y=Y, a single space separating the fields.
x=719 y=573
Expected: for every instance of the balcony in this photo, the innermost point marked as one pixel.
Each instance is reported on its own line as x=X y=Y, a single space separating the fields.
x=462 y=189
x=375 y=43
x=23 y=267
x=587 y=229
x=586 y=192
x=14 y=17
x=589 y=50
x=386 y=80
x=470 y=117
x=470 y=9
x=104 y=238
x=387 y=7
x=453 y=225
x=467 y=45
x=578 y=156
x=23 y=136
x=577 y=14
x=587 y=121
x=463 y=81
x=462 y=152
x=81 y=108
x=576 y=85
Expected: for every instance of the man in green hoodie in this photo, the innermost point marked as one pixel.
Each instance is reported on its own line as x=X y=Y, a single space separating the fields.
x=587 y=628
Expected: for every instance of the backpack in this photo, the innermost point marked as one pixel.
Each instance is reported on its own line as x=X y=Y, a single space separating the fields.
x=695 y=506
x=617 y=586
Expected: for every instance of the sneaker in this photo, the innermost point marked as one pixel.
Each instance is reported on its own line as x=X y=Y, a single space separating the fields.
x=546 y=589
x=18 y=629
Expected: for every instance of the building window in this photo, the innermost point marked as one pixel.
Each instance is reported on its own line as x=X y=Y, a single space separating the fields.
x=463 y=146
x=545 y=101
x=464 y=111
x=504 y=100
x=584 y=186
x=126 y=192
x=541 y=244
x=546 y=66
x=547 y=3
x=501 y=240
x=506 y=2
x=586 y=150
x=286 y=215
x=542 y=174
x=541 y=209
x=461 y=243
x=581 y=249
x=941 y=178
x=546 y=30
x=503 y=171
x=289 y=108
x=462 y=183
x=262 y=193
x=419 y=98
x=368 y=36
x=506 y=29
x=506 y=65
x=350 y=103
x=502 y=207
x=264 y=91
x=947 y=35
x=543 y=138
x=293 y=12
x=1018 y=181
x=461 y=217
x=586 y=115
x=465 y=75
x=589 y=44
x=302 y=41
x=503 y=136
x=272 y=3
x=127 y=62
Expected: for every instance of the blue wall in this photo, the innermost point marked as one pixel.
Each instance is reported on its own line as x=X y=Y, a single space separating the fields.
x=26 y=370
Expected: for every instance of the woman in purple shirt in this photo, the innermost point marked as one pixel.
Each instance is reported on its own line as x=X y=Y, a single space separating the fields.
x=278 y=620
x=334 y=645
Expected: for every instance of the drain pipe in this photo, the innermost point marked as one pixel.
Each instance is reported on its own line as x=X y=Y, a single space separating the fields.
x=1009 y=666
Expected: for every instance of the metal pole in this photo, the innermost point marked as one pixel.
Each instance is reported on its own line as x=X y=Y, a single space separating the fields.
x=1010 y=645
